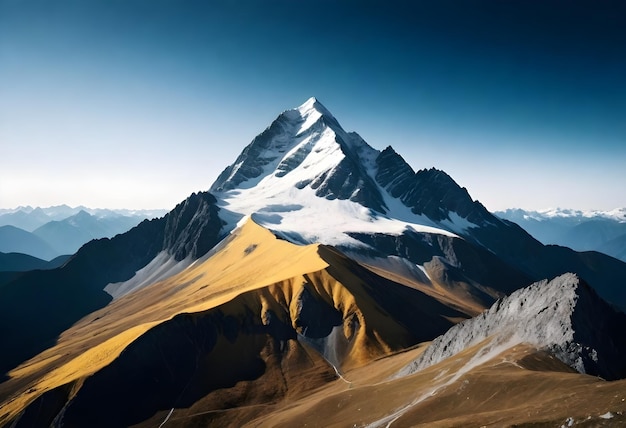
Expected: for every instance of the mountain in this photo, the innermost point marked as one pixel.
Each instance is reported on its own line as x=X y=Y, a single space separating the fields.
x=601 y=231
x=62 y=230
x=12 y=265
x=615 y=247
x=16 y=240
x=563 y=316
x=291 y=293
x=29 y=218
x=304 y=169
x=64 y=295
x=289 y=301
x=18 y=262
x=68 y=235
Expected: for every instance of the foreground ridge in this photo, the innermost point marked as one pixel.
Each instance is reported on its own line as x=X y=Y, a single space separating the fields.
x=563 y=316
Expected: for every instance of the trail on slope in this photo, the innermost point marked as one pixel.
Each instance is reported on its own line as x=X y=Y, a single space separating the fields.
x=487 y=352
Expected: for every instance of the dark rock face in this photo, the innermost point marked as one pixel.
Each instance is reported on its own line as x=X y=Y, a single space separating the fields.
x=394 y=174
x=263 y=150
x=349 y=180
x=458 y=261
x=431 y=192
x=39 y=305
x=599 y=327
x=193 y=227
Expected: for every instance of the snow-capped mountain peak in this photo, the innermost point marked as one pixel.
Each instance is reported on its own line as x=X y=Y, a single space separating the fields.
x=306 y=159
x=283 y=146
x=310 y=112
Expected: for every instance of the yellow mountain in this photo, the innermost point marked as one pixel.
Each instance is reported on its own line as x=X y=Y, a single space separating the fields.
x=265 y=333
x=257 y=313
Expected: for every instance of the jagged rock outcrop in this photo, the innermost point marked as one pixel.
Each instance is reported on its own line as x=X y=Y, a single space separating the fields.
x=430 y=192
x=308 y=132
x=564 y=316
x=193 y=227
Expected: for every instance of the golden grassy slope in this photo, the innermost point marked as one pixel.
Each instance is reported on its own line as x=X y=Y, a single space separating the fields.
x=253 y=279
x=517 y=387
x=97 y=339
x=220 y=338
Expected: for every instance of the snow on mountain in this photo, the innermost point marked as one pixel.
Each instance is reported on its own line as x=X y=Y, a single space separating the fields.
x=563 y=316
x=603 y=231
x=309 y=180
x=617 y=214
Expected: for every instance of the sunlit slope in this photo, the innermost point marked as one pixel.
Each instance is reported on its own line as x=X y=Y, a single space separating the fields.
x=247 y=326
x=96 y=340
x=485 y=385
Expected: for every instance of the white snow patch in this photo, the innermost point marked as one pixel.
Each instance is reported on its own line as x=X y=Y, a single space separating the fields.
x=607 y=415
x=617 y=214
x=456 y=223
x=399 y=265
x=161 y=267
x=315 y=219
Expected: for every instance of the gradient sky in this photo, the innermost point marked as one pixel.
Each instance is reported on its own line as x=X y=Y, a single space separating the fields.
x=136 y=104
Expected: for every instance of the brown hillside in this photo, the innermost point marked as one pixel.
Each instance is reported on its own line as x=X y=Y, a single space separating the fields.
x=244 y=329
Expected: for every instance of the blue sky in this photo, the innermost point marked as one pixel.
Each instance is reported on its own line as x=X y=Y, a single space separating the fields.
x=137 y=104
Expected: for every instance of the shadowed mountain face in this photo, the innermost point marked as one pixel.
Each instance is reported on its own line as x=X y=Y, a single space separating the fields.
x=594 y=231
x=431 y=192
x=315 y=255
x=17 y=262
x=16 y=240
x=37 y=306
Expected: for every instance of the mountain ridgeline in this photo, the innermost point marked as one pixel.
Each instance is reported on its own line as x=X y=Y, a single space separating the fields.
x=347 y=168
x=312 y=254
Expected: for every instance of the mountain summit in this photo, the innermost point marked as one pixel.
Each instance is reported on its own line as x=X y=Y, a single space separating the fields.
x=306 y=147
x=305 y=155
x=308 y=180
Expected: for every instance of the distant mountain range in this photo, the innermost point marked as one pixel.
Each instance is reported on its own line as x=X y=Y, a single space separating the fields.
x=30 y=218
x=47 y=233
x=18 y=262
x=603 y=231
x=318 y=282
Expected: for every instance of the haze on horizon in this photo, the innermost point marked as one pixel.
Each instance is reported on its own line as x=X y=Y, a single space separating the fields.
x=137 y=104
